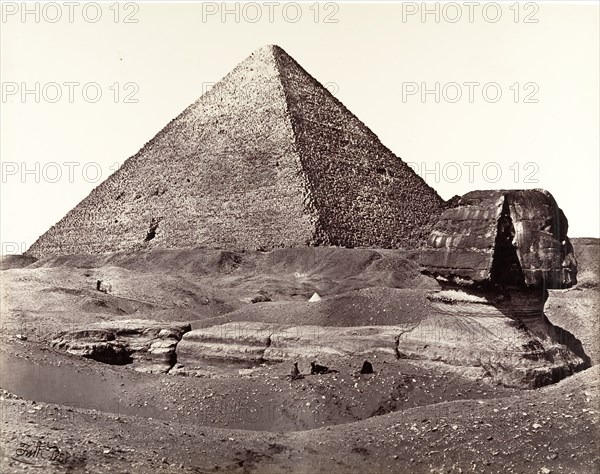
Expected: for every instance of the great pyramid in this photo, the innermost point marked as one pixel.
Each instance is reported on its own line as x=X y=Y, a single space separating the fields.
x=267 y=158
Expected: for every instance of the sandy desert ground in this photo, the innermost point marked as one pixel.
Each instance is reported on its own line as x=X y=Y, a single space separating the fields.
x=183 y=366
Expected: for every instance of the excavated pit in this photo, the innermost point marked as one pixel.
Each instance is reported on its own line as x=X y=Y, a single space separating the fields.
x=427 y=344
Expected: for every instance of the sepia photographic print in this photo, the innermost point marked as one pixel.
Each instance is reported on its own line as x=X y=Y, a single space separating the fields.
x=300 y=237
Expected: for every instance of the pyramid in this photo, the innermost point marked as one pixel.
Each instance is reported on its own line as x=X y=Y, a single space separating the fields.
x=267 y=158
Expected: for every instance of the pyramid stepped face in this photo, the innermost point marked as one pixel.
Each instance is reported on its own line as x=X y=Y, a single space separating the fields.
x=364 y=193
x=266 y=158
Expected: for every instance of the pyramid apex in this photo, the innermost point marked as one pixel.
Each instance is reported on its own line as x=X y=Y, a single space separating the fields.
x=270 y=48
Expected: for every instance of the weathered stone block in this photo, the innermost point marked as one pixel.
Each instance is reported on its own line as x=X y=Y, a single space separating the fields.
x=508 y=237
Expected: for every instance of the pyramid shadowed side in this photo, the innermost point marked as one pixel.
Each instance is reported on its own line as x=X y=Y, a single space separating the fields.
x=363 y=193
x=224 y=173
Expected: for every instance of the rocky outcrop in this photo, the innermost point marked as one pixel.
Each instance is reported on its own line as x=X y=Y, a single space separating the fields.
x=148 y=345
x=267 y=158
x=509 y=341
x=233 y=342
x=509 y=238
x=252 y=342
x=104 y=286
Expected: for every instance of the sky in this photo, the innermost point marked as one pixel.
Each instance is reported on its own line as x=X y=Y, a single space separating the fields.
x=472 y=96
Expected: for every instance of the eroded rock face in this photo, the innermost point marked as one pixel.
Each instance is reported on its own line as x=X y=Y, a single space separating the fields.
x=515 y=238
x=544 y=250
x=148 y=345
x=232 y=342
x=480 y=333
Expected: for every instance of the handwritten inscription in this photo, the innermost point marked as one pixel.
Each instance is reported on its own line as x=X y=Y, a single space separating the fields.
x=41 y=450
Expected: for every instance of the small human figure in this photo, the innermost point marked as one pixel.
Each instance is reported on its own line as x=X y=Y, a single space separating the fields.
x=295 y=375
x=367 y=368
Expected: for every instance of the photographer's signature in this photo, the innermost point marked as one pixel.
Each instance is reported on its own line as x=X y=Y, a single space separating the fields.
x=27 y=452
